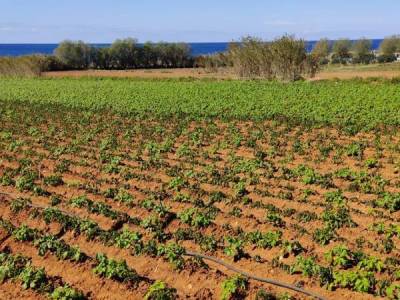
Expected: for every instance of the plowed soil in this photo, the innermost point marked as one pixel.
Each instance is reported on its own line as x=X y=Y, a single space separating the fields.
x=254 y=176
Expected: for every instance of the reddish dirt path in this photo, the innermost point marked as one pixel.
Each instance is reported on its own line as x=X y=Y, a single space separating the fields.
x=201 y=73
x=356 y=74
x=156 y=73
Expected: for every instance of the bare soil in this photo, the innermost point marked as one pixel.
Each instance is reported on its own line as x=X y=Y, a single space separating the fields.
x=331 y=73
x=217 y=150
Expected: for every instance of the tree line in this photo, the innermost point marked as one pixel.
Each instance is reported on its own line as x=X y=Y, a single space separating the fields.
x=345 y=51
x=249 y=57
x=121 y=55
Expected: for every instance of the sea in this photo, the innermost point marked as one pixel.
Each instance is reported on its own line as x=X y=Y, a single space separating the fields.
x=196 y=48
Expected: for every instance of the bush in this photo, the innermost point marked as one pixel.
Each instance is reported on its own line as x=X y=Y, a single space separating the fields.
x=288 y=58
x=386 y=58
x=52 y=63
x=251 y=58
x=364 y=59
x=285 y=58
x=212 y=63
x=24 y=66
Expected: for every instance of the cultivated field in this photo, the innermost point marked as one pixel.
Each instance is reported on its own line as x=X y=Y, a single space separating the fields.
x=111 y=188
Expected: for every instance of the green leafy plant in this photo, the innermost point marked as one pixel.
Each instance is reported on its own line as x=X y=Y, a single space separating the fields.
x=173 y=253
x=53 y=180
x=112 y=269
x=234 y=286
x=275 y=219
x=323 y=235
x=265 y=240
x=358 y=281
x=24 y=233
x=195 y=217
x=341 y=256
x=306 y=266
x=66 y=293
x=33 y=278
x=234 y=248
x=127 y=239
x=160 y=291
x=388 y=201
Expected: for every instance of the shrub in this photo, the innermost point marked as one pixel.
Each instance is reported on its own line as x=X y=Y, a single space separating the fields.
x=386 y=58
x=285 y=58
x=24 y=66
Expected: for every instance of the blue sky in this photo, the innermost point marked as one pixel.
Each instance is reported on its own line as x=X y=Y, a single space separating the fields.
x=46 y=21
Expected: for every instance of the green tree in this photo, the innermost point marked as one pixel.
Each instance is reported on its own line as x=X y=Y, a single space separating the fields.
x=75 y=55
x=101 y=58
x=149 y=57
x=341 y=50
x=124 y=54
x=390 y=45
x=362 y=51
x=321 y=49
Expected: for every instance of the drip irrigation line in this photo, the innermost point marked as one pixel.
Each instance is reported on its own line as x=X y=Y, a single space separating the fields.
x=250 y=276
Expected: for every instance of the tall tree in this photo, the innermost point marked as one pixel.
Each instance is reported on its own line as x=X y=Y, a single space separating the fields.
x=362 y=51
x=342 y=48
x=75 y=55
x=321 y=49
x=390 y=45
x=124 y=54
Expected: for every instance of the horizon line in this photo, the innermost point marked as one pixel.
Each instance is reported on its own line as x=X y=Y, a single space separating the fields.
x=161 y=41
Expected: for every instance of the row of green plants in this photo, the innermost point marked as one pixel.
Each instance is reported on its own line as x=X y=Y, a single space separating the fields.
x=352 y=270
x=103 y=266
x=19 y=268
x=354 y=105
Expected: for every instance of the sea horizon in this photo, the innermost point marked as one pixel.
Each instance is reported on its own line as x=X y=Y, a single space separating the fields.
x=197 y=48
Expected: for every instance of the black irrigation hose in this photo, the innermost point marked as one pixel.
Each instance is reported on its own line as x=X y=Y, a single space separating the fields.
x=220 y=262
x=245 y=274
x=41 y=206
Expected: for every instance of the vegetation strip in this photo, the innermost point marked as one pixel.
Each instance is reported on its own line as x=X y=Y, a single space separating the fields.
x=19 y=267
x=353 y=105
